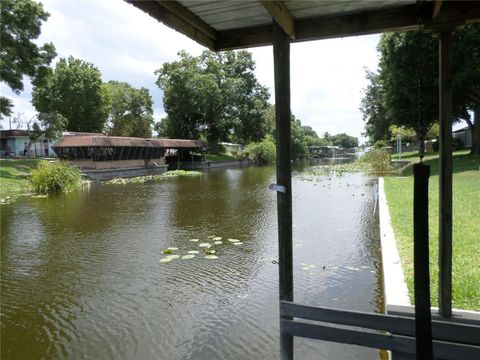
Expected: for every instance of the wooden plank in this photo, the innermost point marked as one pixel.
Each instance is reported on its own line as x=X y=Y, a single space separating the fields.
x=421 y=274
x=362 y=23
x=164 y=15
x=281 y=15
x=182 y=12
x=445 y=175
x=400 y=323
x=436 y=8
x=281 y=61
x=458 y=316
x=403 y=344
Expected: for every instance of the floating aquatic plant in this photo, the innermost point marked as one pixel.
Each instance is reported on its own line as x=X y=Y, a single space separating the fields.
x=233 y=240
x=165 y=260
x=211 y=257
x=193 y=252
x=205 y=245
x=173 y=256
x=168 y=251
x=238 y=243
x=216 y=238
x=188 y=256
x=218 y=242
x=193 y=240
x=210 y=252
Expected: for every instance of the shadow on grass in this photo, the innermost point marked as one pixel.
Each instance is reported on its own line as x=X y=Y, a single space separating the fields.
x=461 y=162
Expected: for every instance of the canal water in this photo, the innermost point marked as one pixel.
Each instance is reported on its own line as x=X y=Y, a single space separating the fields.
x=81 y=278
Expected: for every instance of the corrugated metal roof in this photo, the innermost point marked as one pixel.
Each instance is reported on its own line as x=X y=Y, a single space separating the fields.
x=116 y=141
x=13 y=133
x=234 y=24
x=228 y=15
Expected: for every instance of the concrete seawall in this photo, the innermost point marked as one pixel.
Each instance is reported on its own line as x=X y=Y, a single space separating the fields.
x=214 y=164
x=396 y=291
x=108 y=174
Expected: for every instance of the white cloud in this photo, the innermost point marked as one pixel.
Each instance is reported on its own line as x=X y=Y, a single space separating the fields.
x=126 y=44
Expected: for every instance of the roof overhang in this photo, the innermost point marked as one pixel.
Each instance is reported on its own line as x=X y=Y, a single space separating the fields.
x=223 y=25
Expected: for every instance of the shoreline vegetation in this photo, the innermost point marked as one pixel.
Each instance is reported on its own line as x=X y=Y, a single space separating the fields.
x=466 y=227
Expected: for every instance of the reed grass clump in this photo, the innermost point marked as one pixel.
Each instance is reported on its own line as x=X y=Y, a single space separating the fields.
x=377 y=159
x=53 y=177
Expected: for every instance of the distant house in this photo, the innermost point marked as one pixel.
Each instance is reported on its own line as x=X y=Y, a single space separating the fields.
x=15 y=142
x=323 y=151
x=233 y=149
x=463 y=136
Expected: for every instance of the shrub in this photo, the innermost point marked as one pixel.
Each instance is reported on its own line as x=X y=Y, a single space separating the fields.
x=51 y=177
x=378 y=159
x=263 y=151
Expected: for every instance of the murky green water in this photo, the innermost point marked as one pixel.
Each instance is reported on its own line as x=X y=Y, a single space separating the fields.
x=81 y=276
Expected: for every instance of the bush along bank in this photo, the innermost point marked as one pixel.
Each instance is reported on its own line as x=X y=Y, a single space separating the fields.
x=54 y=177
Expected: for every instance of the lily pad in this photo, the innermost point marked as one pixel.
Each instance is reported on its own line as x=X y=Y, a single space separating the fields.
x=172 y=248
x=205 y=245
x=165 y=260
x=211 y=236
x=188 y=256
x=233 y=240
x=173 y=256
x=210 y=252
x=168 y=251
x=211 y=257
x=218 y=242
x=238 y=243
x=216 y=238
x=193 y=252
x=193 y=240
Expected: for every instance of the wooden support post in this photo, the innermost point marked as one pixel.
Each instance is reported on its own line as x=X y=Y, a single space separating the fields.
x=423 y=316
x=281 y=59
x=445 y=176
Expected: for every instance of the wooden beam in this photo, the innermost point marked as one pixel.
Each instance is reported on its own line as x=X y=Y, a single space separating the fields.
x=400 y=323
x=445 y=175
x=399 y=343
x=191 y=27
x=182 y=12
x=436 y=8
x=421 y=274
x=362 y=23
x=281 y=15
x=281 y=62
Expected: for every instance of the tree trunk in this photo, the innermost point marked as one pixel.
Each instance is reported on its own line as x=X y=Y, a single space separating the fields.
x=475 y=129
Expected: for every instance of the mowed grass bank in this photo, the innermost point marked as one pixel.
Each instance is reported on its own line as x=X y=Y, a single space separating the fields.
x=14 y=176
x=466 y=227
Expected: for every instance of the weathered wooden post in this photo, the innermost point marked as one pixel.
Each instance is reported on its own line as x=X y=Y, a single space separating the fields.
x=281 y=59
x=423 y=316
x=445 y=175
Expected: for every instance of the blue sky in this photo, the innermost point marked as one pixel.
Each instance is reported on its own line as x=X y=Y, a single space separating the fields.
x=125 y=44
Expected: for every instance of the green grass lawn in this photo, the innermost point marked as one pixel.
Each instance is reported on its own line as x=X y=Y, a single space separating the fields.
x=466 y=226
x=14 y=176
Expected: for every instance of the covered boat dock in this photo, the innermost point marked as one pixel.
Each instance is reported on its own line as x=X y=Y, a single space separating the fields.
x=103 y=157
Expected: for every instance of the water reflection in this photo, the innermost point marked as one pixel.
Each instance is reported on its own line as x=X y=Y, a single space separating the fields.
x=81 y=278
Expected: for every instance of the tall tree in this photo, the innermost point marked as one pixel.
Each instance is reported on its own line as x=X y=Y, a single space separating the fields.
x=373 y=108
x=408 y=63
x=20 y=25
x=406 y=88
x=215 y=95
x=130 y=110
x=73 y=90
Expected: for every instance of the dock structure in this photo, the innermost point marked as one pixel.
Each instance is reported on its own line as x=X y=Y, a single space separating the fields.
x=226 y=25
x=103 y=157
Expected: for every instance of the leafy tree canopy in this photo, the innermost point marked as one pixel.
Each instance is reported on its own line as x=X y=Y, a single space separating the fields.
x=214 y=95
x=74 y=90
x=130 y=110
x=405 y=90
x=20 y=24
